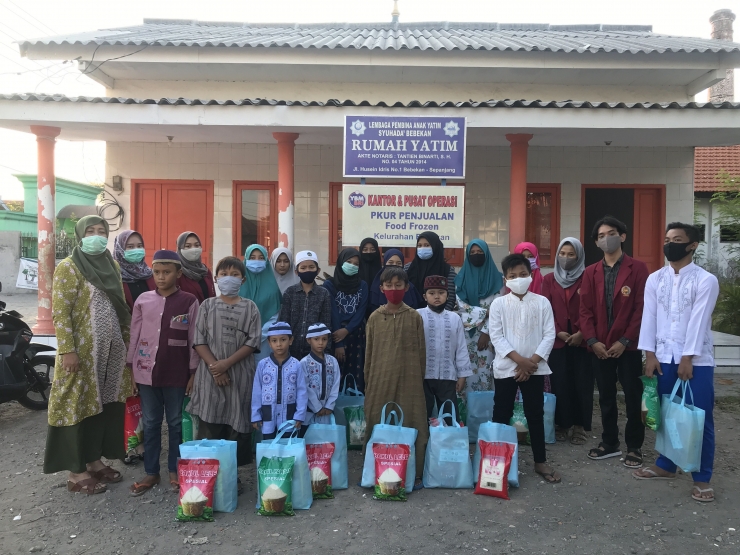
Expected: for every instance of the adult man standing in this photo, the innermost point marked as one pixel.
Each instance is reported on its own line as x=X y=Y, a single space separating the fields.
x=677 y=339
x=611 y=310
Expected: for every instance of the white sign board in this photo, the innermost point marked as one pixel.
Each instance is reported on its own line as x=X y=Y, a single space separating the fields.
x=395 y=215
x=28 y=274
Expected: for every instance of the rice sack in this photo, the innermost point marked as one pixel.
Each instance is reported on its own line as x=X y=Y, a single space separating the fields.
x=319 y=463
x=356 y=426
x=197 y=481
x=495 y=461
x=275 y=476
x=391 y=461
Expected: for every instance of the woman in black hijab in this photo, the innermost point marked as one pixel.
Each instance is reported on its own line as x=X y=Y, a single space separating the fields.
x=371 y=261
x=430 y=261
x=349 y=296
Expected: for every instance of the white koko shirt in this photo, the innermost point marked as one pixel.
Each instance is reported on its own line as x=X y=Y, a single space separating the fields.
x=526 y=326
x=447 y=350
x=677 y=316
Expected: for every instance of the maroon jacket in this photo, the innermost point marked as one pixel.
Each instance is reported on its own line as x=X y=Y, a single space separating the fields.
x=629 y=293
x=562 y=309
x=197 y=287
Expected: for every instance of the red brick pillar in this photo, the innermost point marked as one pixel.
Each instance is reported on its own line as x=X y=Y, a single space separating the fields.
x=286 y=203
x=518 y=188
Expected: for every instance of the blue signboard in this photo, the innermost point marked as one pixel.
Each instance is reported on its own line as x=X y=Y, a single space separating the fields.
x=404 y=147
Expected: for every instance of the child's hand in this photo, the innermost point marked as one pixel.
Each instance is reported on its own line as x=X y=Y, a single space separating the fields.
x=218 y=367
x=460 y=385
x=135 y=389
x=189 y=387
x=298 y=424
x=521 y=374
x=483 y=341
x=323 y=412
x=222 y=380
x=257 y=425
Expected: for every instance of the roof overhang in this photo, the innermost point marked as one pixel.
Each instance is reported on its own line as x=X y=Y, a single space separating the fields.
x=254 y=121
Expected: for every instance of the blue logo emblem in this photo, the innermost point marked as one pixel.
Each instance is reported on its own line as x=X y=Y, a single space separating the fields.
x=356 y=200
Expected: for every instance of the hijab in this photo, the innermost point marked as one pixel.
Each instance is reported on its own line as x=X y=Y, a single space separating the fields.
x=130 y=271
x=377 y=298
x=566 y=278
x=436 y=266
x=262 y=287
x=192 y=270
x=290 y=278
x=370 y=262
x=475 y=283
x=341 y=281
x=100 y=269
x=537 y=278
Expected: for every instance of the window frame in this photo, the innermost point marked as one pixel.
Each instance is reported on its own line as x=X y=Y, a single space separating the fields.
x=236 y=213
x=554 y=190
x=457 y=255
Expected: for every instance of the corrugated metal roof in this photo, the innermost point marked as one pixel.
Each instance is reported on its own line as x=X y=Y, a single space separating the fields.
x=365 y=103
x=382 y=36
x=710 y=162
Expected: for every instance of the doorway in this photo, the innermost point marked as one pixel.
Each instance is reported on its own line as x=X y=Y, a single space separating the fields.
x=162 y=209
x=640 y=207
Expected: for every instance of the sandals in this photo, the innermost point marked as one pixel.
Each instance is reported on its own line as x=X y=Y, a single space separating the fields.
x=418 y=485
x=561 y=434
x=603 y=452
x=653 y=475
x=550 y=477
x=133 y=458
x=701 y=499
x=634 y=456
x=138 y=489
x=107 y=475
x=579 y=437
x=90 y=486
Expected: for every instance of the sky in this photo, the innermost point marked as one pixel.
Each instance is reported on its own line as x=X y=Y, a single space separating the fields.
x=85 y=161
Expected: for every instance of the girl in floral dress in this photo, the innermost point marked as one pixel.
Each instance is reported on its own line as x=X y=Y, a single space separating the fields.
x=477 y=284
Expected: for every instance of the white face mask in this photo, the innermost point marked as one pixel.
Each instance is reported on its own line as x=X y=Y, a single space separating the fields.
x=192 y=254
x=519 y=286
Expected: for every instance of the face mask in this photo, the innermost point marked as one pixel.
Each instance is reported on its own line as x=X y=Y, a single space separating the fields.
x=394 y=296
x=350 y=269
x=192 y=254
x=369 y=256
x=676 y=251
x=438 y=309
x=425 y=253
x=133 y=255
x=533 y=263
x=477 y=259
x=519 y=286
x=229 y=285
x=95 y=244
x=566 y=263
x=308 y=277
x=256 y=266
x=609 y=243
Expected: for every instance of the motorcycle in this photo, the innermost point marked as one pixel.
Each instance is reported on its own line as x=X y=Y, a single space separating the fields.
x=25 y=375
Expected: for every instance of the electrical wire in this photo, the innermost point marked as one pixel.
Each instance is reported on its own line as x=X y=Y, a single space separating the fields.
x=107 y=203
x=23 y=18
x=109 y=59
x=32 y=17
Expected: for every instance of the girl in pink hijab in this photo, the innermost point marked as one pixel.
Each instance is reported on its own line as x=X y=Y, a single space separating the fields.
x=530 y=251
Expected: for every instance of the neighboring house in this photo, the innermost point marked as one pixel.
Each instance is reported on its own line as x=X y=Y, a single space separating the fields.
x=231 y=130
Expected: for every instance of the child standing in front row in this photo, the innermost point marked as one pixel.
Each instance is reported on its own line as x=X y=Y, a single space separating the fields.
x=279 y=393
x=522 y=331
x=448 y=361
x=322 y=376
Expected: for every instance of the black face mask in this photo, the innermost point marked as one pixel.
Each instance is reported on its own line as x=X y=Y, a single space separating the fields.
x=676 y=251
x=438 y=309
x=369 y=256
x=308 y=277
x=477 y=259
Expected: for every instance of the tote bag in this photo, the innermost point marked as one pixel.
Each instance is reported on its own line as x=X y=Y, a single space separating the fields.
x=292 y=446
x=447 y=460
x=348 y=397
x=332 y=433
x=681 y=430
x=385 y=432
x=225 y=493
x=550 y=402
x=494 y=432
x=480 y=410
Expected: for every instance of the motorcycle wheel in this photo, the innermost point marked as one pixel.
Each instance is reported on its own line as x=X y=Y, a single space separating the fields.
x=40 y=372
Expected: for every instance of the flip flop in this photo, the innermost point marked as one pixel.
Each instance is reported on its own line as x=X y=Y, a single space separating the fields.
x=175 y=486
x=138 y=489
x=655 y=475
x=701 y=499
x=547 y=475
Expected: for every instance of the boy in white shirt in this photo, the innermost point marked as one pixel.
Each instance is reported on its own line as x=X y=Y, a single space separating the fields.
x=448 y=361
x=522 y=331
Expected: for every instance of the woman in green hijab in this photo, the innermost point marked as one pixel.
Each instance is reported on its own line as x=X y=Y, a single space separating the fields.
x=91 y=383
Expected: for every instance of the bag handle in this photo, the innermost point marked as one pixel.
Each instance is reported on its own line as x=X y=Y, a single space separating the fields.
x=452 y=414
x=287 y=426
x=392 y=413
x=356 y=392
x=686 y=390
x=675 y=389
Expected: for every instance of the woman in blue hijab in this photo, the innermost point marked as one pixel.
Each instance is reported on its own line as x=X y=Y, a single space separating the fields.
x=391 y=257
x=477 y=284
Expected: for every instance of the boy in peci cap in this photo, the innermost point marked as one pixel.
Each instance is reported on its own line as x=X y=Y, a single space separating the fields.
x=322 y=375
x=305 y=303
x=448 y=362
x=163 y=361
x=279 y=392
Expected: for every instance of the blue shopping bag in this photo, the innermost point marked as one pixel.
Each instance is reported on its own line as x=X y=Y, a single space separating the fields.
x=291 y=446
x=225 y=492
x=447 y=460
x=480 y=410
x=348 y=397
x=332 y=433
x=491 y=432
x=681 y=429
x=386 y=432
x=550 y=402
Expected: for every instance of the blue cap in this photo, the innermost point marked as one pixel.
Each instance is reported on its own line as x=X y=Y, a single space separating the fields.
x=316 y=330
x=279 y=328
